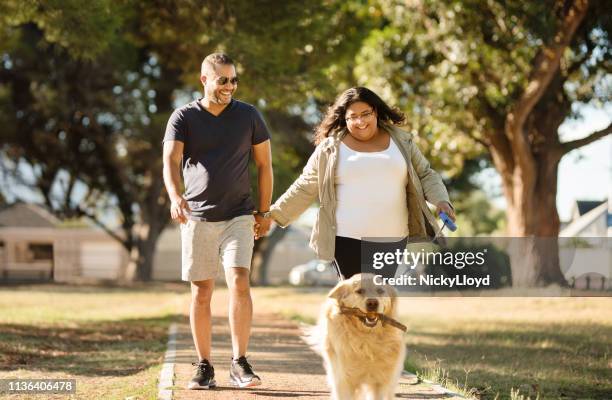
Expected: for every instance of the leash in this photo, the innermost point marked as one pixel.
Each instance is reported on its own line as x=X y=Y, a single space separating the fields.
x=447 y=223
x=356 y=312
x=334 y=264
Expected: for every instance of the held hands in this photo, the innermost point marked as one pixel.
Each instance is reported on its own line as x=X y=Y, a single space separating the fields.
x=444 y=206
x=262 y=226
x=179 y=209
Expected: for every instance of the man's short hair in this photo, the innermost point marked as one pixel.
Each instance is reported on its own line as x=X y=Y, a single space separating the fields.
x=214 y=59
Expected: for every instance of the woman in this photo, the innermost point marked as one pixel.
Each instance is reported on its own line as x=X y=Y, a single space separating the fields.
x=371 y=182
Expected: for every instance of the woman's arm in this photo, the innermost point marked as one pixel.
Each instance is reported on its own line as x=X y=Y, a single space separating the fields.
x=433 y=187
x=300 y=195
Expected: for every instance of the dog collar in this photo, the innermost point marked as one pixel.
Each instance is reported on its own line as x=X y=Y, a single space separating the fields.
x=356 y=312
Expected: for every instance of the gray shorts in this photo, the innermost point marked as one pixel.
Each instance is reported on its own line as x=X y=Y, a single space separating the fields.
x=208 y=245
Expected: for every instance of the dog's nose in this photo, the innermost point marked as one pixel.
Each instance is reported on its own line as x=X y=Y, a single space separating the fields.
x=371 y=305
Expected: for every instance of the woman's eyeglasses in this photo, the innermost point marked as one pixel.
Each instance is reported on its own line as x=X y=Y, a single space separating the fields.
x=364 y=115
x=222 y=80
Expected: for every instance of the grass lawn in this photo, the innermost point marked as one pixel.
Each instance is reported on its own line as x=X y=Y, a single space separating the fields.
x=111 y=340
x=551 y=347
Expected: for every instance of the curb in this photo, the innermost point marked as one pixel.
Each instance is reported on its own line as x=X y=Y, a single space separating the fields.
x=166 y=376
x=435 y=386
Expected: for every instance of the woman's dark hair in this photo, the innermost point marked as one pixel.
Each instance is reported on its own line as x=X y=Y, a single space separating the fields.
x=334 y=119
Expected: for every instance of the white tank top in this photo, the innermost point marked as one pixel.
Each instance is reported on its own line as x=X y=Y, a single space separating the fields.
x=371 y=193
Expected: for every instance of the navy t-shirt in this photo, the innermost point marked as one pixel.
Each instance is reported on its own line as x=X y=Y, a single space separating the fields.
x=216 y=156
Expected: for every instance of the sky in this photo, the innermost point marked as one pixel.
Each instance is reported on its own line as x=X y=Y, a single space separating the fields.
x=591 y=177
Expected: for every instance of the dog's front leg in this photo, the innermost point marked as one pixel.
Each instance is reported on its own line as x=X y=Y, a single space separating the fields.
x=390 y=395
x=340 y=390
x=385 y=390
x=381 y=392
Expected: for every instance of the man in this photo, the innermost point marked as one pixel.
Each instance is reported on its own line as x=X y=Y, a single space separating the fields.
x=213 y=138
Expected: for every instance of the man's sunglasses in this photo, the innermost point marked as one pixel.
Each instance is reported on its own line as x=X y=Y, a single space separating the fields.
x=222 y=80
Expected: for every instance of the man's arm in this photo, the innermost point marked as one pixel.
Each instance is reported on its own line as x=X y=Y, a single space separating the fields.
x=173 y=154
x=262 y=154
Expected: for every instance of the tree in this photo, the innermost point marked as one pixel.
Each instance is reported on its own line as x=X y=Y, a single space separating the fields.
x=70 y=123
x=504 y=74
x=89 y=118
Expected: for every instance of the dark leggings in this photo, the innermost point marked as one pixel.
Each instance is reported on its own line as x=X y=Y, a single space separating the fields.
x=348 y=256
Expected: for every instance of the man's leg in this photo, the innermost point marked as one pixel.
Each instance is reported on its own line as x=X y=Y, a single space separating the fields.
x=200 y=316
x=240 y=309
x=200 y=259
x=241 y=314
x=236 y=253
x=200 y=320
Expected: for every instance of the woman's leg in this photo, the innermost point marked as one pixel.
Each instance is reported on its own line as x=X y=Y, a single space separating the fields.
x=348 y=256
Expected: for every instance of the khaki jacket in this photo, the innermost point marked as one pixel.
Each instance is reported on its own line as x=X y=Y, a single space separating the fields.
x=317 y=182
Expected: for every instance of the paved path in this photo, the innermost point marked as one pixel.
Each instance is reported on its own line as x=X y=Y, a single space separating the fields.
x=287 y=366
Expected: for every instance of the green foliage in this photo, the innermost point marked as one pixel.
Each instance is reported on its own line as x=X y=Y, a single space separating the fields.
x=456 y=67
x=283 y=48
x=477 y=216
x=84 y=29
x=65 y=116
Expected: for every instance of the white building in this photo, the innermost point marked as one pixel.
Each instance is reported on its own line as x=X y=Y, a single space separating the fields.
x=585 y=245
x=35 y=245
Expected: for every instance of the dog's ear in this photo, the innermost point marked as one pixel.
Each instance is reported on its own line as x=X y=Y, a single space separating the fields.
x=339 y=291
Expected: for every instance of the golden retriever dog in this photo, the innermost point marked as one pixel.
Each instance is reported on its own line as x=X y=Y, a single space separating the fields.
x=363 y=352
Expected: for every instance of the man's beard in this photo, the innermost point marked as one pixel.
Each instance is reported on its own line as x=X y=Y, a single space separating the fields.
x=217 y=98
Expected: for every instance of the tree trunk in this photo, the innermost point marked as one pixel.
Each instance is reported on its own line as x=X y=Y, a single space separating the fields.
x=527 y=154
x=262 y=253
x=140 y=263
x=146 y=255
x=155 y=219
x=533 y=223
